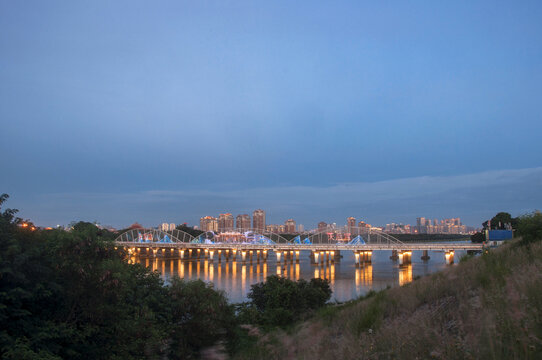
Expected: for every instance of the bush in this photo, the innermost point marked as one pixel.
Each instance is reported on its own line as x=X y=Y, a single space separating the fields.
x=71 y=295
x=530 y=227
x=478 y=237
x=280 y=301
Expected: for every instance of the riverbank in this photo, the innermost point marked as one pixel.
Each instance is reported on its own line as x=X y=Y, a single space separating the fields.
x=487 y=307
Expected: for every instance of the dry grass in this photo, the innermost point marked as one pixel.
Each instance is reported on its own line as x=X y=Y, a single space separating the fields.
x=488 y=307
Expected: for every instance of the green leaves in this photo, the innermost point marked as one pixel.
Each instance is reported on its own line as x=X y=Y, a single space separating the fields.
x=72 y=295
x=280 y=301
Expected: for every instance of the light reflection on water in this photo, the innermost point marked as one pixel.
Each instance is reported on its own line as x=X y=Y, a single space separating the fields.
x=347 y=280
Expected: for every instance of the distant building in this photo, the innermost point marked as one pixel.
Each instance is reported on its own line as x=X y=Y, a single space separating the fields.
x=351 y=225
x=258 y=219
x=272 y=228
x=301 y=228
x=136 y=225
x=208 y=223
x=167 y=227
x=225 y=222
x=242 y=222
x=164 y=226
x=289 y=226
x=322 y=226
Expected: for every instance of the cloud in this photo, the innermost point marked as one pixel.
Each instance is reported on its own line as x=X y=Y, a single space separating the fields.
x=473 y=197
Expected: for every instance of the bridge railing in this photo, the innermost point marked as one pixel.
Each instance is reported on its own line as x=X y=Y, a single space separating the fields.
x=154 y=236
x=349 y=235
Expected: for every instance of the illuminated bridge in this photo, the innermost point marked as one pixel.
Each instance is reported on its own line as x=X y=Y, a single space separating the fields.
x=248 y=244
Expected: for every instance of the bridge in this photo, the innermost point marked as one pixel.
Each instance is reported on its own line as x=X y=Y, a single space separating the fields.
x=247 y=244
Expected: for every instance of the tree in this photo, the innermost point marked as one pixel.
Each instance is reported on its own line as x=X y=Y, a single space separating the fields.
x=280 y=301
x=200 y=316
x=71 y=295
x=501 y=221
x=189 y=230
x=530 y=227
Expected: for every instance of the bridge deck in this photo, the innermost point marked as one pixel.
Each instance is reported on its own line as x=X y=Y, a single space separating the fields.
x=313 y=247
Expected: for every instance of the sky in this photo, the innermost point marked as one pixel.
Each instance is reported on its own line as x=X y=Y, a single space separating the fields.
x=158 y=111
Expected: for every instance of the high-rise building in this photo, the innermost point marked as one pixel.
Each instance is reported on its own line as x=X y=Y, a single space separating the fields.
x=322 y=226
x=301 y=228
x=362 y=224
x=290 y=226
x=164 y=227
x=208 y=223
x=242 y=222
x=258 y=219
x=225 y=222
x=351 y=225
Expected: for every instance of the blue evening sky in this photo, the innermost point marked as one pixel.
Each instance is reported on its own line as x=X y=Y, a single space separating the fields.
x=151 y=111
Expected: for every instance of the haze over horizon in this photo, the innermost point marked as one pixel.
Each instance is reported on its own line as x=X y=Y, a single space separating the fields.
x=168 y=111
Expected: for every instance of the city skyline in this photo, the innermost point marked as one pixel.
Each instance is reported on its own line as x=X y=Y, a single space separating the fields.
x=224 y=223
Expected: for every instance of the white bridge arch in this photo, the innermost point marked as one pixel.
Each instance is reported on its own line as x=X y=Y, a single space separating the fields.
x=349 y=235
x=154 y=236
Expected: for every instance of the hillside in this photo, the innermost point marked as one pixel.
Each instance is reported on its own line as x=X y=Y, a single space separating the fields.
x=488 y=307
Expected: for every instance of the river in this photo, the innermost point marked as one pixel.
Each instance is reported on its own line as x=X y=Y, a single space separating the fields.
x=348 y=280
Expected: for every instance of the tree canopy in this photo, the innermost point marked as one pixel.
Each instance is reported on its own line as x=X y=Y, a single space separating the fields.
x=71 y=295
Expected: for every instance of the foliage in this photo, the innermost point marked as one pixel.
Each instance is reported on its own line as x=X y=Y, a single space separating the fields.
x=280 y=301
x=189 y=230
x=72 y=295
x=478 y=237
x=530 y=227
x=500 y=221
x=201 y=316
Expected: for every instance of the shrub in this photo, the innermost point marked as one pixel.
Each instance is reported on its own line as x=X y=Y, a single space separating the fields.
x=280 y=301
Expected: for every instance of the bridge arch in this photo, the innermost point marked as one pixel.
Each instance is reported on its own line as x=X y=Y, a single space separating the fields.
x=154 y=236
x=350 y=235
x=241 y=236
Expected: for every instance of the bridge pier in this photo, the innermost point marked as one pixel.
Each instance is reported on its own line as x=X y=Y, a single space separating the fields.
x=394 y=255
x=405 y=257
x=206 y=252
x=449 y=257
x=425 y=255
x=211 y=254
x=315 y=255
x=297 y=256
x=278 y=253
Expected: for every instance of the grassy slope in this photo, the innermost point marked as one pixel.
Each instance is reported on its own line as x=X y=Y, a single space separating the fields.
x=489 y=307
